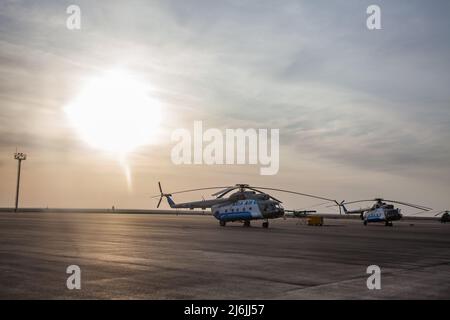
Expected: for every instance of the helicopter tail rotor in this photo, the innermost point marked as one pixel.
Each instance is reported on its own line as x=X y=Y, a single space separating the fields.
x=340 y=206
x=162 y=194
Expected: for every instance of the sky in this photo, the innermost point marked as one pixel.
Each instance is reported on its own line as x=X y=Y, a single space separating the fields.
x=361 y=113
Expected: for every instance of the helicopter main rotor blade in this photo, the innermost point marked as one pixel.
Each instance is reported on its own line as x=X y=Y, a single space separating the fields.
x=317 y=205
x=227 y=191
x=421 y=211
x=222 y=192
x=272 y=197
x=191 y=190
x=275 y=199
x=393 y=201
x=294 y=192
x=410 y=205
x=439 y=213
x=357 y=201
x=159 y=202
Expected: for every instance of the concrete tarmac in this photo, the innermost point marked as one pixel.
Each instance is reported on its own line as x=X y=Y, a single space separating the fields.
x=138 y=256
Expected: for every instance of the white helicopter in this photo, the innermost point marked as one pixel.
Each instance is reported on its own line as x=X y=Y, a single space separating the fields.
x=246 y=204
x=380 y=211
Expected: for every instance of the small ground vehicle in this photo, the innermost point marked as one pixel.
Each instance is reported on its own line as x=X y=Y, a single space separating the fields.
x=315 y=221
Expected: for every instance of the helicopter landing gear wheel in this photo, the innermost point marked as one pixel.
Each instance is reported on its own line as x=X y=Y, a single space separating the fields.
x=365 y=222
x=265 y=224
x=388 y=224
x=222 y=223
x=247 y=223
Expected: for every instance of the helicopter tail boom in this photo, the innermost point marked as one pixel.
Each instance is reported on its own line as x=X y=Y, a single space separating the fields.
x=170 y=201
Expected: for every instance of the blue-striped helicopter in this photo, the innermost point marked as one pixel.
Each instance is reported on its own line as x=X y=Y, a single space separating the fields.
x=381 y=211
x=245 y=204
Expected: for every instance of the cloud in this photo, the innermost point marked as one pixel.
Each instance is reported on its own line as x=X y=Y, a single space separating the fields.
x=372 y=100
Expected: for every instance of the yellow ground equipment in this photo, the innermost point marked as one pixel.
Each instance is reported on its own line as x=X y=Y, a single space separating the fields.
x=315 y=221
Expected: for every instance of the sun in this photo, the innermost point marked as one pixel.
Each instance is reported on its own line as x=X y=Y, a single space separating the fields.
x=115 y=113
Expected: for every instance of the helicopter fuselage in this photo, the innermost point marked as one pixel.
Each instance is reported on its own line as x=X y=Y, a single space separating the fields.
x=378 y=212
x=249 y=209
x=382 y=213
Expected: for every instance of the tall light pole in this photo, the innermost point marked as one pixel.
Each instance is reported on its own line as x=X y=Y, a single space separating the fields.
x=19 y=156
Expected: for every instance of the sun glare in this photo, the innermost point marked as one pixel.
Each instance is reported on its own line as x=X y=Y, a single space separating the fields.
x=115 y=113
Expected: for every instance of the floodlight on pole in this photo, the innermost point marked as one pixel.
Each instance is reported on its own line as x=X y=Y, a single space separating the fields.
x=19 y=156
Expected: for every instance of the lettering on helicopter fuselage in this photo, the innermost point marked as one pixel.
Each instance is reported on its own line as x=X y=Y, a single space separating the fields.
x=375 y=216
